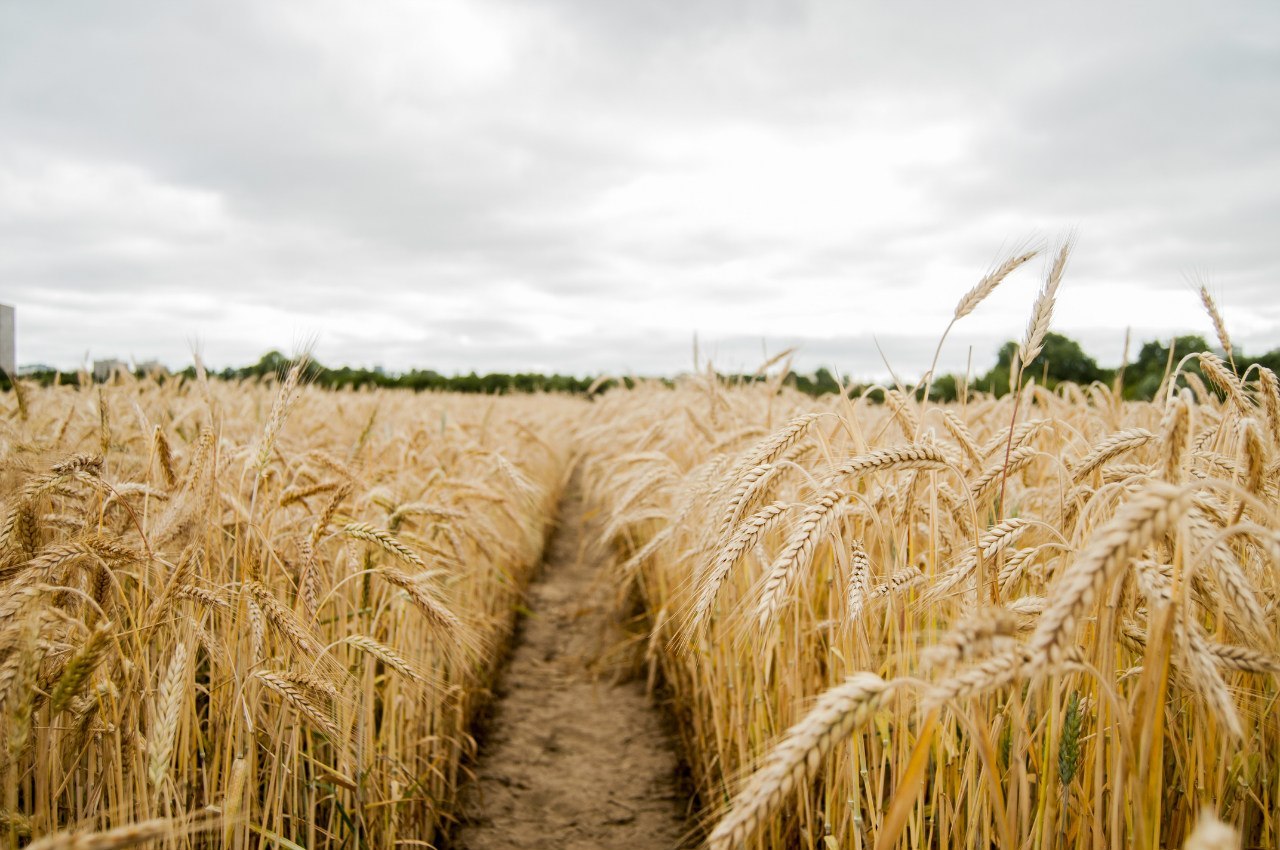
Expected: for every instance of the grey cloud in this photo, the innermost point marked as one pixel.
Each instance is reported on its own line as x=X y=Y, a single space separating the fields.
x=1166 y=150
x=206 y=100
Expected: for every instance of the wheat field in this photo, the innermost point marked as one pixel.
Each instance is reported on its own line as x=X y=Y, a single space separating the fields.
x=262 y=614
x=1078 y=653
x=1044 y=620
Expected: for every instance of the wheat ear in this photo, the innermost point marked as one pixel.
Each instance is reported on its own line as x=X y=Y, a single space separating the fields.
x=1254 y=456
x=709 y=588
x=1042 y=311
x=1147 y=516
x=1269 y=389
x=768 y=449
x=166 y=717
x=1113 y=446
x=975 y=296
x=970 y=301
x=1018 y=459
x=1219 y=325
x=282 y=618
x=386 y=655
x=797 y=554
x=992 y=542
x=385 y=541
x=1013 y=436
x=1229 y=575
x=909 y=456
x=130 y=835
x=305 y=491
x=437 y=615
x=300 y=700
x=80 y=667
x=971 y=636
x=796 y=759
x=1175 y=425
x=859 y=580
x=233 y=798
x=903 y=413
x=962 y=435
x=165 y=455
x=989 y=674
x=279 y=412
x=1223 y=378
x=745 y=492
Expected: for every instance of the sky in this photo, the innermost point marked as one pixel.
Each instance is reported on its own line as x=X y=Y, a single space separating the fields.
x=585 y=186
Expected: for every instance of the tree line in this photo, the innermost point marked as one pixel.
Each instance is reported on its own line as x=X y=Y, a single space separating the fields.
x=1061 y=360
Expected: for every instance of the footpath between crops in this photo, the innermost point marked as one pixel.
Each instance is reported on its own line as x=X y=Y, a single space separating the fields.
x=574 y=755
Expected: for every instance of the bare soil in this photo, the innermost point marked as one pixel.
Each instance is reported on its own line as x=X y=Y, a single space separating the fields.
x=575 y=754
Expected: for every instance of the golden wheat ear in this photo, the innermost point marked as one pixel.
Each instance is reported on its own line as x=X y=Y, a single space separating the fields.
x=797 y=757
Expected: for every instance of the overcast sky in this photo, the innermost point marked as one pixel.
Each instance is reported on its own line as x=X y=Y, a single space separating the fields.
x=583 y=185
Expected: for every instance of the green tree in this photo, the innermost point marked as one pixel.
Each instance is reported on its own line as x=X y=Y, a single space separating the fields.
x=1144 y=375
x=1061 y=359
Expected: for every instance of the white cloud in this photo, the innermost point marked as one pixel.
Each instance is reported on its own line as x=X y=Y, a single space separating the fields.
x=107 y=204
x=572 y=185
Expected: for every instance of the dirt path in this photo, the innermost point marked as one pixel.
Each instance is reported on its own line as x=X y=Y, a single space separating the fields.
x=571 y=758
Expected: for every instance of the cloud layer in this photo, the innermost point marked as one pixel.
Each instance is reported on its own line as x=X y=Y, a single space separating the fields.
x=580 y=186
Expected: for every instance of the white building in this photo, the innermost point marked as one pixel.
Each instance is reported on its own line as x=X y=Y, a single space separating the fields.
x=104 y=369
x=8 y=354
x=150 y=367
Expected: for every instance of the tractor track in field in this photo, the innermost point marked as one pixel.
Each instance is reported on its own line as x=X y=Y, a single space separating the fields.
x=574 y=755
